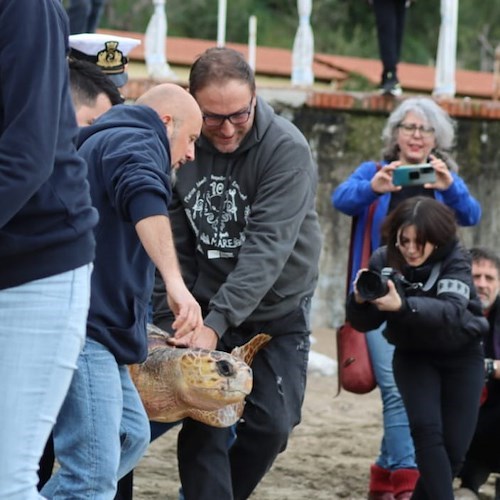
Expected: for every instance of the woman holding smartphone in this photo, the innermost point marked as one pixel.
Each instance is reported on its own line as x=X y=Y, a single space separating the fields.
x=417 y=131
x=433 y=317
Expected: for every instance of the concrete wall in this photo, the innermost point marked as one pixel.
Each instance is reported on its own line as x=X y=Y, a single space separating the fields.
x=340 y=141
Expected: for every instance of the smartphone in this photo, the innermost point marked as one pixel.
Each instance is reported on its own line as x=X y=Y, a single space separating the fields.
x=413 y=175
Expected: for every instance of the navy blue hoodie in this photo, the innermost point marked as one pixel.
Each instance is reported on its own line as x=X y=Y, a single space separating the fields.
x=46 y=217
x=128 y=155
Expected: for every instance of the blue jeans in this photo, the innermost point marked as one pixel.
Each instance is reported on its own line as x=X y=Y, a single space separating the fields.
x=84 y=15
x=396 y=450
x=42 y=329
x=102 y=430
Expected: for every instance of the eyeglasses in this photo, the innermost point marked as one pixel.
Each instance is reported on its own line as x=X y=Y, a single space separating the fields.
x=238 y=118
x=409 y=129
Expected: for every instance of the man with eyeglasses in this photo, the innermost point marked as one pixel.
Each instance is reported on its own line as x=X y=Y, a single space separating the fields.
x=248 y=240
x=483 y=457
x=417 y=131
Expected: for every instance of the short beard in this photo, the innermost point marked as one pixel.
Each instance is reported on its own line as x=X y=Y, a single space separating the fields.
x=173 y=176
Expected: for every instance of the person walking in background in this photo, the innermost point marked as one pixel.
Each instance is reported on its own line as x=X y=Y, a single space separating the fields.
x=46 y=236
x=433 y=318
x=102 y=429
x=84 y=15
x=483 y=456
x=248 y=239
x=390 y=18
x=417 y=131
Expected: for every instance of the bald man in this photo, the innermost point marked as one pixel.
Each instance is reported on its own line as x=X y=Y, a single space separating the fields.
x=102 y=430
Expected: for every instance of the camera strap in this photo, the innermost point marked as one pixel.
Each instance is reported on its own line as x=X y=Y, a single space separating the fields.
x=431 y=280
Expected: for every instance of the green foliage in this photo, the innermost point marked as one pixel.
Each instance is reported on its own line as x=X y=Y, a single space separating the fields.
x=345 y=27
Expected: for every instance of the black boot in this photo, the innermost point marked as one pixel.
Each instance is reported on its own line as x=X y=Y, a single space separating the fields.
x=474 y=475
x=390 y=84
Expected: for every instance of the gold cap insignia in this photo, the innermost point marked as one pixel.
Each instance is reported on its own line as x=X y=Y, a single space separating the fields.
x=111 y=60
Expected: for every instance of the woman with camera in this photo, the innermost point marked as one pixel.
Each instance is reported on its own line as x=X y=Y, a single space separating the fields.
x=417 y=131
x=433 y=318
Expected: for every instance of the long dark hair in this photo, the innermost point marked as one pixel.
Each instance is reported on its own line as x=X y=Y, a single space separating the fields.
x=434 y=222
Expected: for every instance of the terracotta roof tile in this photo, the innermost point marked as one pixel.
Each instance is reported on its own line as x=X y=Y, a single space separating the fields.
x=327 y=67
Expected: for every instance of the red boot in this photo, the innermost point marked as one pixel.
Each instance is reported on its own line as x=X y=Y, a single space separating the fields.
x=403 y=482
x=380 y=484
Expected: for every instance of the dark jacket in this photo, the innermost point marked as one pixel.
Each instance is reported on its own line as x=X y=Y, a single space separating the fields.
x=46 y=216
x=490 y=351
x=129 y=164
x=484 y=446
x=245 y=225
x=446 y=317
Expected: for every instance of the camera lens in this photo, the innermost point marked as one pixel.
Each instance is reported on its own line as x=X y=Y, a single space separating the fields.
x=371 y=285
x=414 y=175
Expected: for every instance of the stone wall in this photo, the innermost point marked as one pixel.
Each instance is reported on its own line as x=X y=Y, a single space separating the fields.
x=340 y=141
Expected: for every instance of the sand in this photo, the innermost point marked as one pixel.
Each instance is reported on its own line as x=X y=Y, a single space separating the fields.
x=328 y=456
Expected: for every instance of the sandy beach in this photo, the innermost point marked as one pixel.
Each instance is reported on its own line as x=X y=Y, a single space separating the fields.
x=328 y=456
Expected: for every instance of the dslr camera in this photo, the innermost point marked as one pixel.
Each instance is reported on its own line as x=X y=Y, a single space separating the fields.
x=372 y=284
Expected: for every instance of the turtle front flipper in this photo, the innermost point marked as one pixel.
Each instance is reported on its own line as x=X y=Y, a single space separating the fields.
x=247 y=351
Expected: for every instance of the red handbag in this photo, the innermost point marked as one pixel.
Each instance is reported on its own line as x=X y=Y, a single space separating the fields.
x=355 y=371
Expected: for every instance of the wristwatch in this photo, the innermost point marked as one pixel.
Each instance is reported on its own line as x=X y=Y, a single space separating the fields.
x=490 y=368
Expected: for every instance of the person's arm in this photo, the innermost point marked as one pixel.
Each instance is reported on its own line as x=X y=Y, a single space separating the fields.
x=137 y=184
x=33 y=69
x=156 y=237
x=442 y=314
x=363 y=316
x=363 y=187
x=465 y=206
x=185 y=245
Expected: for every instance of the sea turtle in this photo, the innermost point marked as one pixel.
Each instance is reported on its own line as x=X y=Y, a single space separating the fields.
x=209 y=386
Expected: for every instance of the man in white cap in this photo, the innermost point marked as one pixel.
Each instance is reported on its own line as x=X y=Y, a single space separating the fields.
x=108 y=52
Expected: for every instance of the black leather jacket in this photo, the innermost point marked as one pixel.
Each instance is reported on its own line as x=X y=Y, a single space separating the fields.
x=446 y=317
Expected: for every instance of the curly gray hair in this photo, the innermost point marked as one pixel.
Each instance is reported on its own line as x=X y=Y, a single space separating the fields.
x=433 y=115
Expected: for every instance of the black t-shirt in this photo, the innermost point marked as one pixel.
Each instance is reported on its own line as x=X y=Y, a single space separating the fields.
x=408 y=192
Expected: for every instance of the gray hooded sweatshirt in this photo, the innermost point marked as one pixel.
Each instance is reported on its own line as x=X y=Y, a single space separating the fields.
x=245 y=224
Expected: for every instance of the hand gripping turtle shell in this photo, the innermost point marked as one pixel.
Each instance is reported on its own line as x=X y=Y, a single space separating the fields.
x=208 y=386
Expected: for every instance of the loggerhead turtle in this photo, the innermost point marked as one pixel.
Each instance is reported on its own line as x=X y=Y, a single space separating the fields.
x=209 y=386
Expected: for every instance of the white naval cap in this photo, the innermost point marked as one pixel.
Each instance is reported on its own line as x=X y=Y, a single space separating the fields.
x=108 y=52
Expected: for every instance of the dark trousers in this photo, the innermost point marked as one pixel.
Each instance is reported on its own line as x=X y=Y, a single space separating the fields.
x=46 y=463
x=84 y=15
x=390 y=18
x=208 y=470
x=441 y=394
